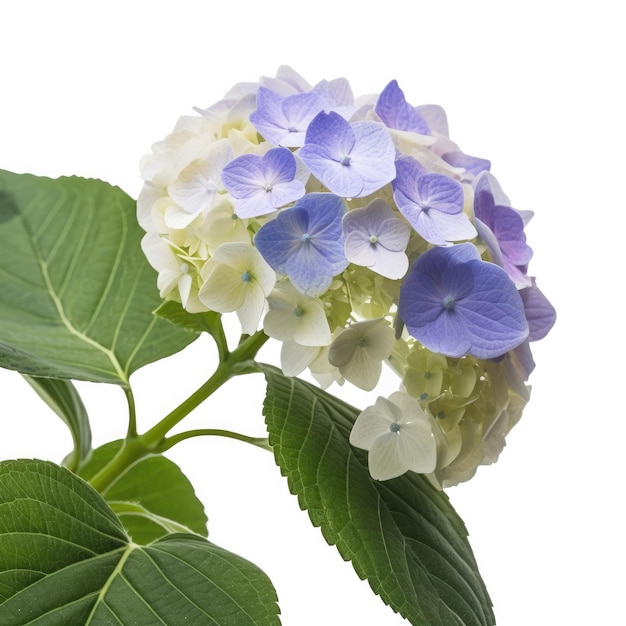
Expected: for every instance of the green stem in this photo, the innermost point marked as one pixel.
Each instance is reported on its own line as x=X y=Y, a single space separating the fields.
x=260 y=442
x=132 y=415
x=239 y=361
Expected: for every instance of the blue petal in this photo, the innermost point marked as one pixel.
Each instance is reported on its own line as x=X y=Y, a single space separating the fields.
x=309 y=271
x=306 y=243
x=278 y=239
x=485 y=314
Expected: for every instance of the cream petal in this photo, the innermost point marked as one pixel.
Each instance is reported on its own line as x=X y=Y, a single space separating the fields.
x=384 y=460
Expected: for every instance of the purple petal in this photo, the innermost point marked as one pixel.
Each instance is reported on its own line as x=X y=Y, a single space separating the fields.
x=373 y=156
x=540 y=314
x=340 y=178
x=243 y=176
x=441 y=192
x=471 y=164
x=279 y=165
x=431 y=203
x=352 y=160
x=395 y=112
x=262 y=184
x=284 y=120
x=330 y=132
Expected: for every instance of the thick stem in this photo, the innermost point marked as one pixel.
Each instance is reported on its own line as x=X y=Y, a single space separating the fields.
x=239 y=361
x=132 y=416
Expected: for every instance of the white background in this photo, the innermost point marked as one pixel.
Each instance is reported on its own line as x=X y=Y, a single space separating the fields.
x=536 y=87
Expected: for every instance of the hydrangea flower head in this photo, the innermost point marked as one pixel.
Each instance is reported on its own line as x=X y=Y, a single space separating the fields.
x=357 y=233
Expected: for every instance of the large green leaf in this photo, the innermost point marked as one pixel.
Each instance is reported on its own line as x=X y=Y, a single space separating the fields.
x=66 y=559
x=76 y=292
x=402 y=535
x=152 y=497
x=63 y=398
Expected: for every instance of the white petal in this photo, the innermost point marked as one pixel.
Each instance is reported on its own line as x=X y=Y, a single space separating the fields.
x=313 y=328
x=393 y=265
x=184 y=288
x=280 y=322
x=384 y=460
x=361 y=370
x=295 y=358
x=251 y=310
x=373 y=422
x=417 y=447
x=224 y=290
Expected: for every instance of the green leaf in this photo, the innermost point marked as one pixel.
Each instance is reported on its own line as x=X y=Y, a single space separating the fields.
x=207 y=321
x=77 y=291
x=63 y=398
x=65 y=559
x=152 y=497
x=402 y=535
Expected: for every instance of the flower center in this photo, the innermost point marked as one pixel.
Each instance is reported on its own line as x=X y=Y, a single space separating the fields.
x=373 y=239
x=345 y=160
x=267 y=187
x=305 y=238
x=298 y=312
x=448 y=303
x=246 y=277
x=394 y=428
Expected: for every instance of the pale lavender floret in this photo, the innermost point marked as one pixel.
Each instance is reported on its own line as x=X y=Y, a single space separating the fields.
x=351 y=160
x=262 y=184
x=502 y=229
x=432 y=203
x=397 y=113
x=305 y=242
x=337 y=95
x=377 y=238
x=283 y=120
x=455 y=303
x=286 y=82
